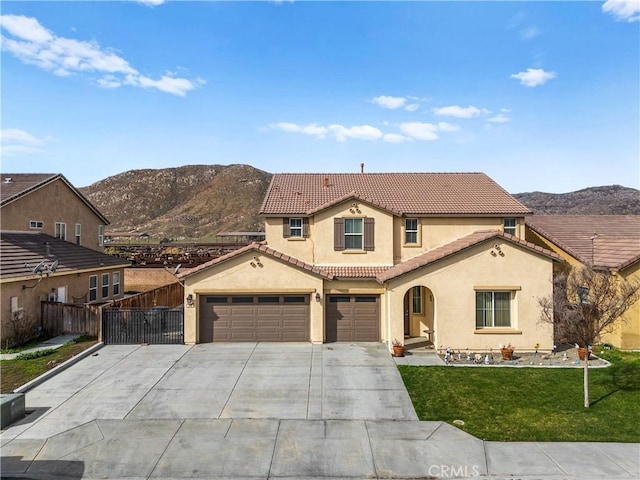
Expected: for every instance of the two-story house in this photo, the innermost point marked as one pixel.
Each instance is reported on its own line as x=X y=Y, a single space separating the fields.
x=51 y=249
x=378 y=257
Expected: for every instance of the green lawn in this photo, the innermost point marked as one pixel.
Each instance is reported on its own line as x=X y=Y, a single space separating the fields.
x=15 y=373
x=532 y=404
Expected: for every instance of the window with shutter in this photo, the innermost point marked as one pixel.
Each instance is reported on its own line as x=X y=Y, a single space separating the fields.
x=369 y=234
x=338 y=234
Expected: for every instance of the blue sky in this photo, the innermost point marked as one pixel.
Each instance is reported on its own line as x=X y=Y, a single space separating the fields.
x=538 y=95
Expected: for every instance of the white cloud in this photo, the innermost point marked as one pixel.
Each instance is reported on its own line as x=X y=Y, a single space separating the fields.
x=362 y=132
x=533 y=77
x=35 y=45
x=623 y=10
x=500 y=118
x=420 y=130
x=389 y=102
x=15 y=142
x=311 y=129
x=412 y=107
x=152 y=3
x=456 y=111
x=447 y=127
x=395 y=138
x=528 y=33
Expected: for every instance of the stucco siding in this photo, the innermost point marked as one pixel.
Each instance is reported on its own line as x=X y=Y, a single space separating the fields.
x=300 y=248
x=453 y=283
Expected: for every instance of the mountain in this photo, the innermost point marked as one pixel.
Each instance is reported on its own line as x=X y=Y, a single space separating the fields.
x=198 y=201
x=608 y=200
x=189 y=202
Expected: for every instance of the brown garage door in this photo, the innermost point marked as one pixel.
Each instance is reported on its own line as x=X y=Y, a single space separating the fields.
x=352 y=318
x=254 y=318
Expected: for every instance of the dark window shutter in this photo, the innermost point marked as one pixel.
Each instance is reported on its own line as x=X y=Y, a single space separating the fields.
x=286 y=229
x=338 y=234
x=305 y=227
x=369 y=234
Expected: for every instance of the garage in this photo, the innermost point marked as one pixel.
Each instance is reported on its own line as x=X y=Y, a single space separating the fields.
x=352 y=318
x=254 y=318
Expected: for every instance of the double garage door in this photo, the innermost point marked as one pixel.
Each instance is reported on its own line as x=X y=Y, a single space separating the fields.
x=285 y=318
x=254 y=318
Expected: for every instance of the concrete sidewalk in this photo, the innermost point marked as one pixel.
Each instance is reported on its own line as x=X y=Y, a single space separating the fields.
x=264 y=411
x=52 y=343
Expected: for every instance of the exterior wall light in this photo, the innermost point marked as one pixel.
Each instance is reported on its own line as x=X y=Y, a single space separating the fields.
x=190 y=300
x=317 y=297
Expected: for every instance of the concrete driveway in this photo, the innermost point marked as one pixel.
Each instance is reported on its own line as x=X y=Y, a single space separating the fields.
x=263 y=411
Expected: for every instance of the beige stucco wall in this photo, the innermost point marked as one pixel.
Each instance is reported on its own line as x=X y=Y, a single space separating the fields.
x=75 y=284
x=300 y=248
x=453 y=283
x=54 y=202
x=238 y=276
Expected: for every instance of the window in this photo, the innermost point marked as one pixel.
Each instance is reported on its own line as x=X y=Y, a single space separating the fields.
x=61 y=230
x=36 y=224
x=93 y=288
x=354 y=234
x=105 y=285
x=295 y=227
x=493 y=309
x=583 y=295
x=78 y=229
x=416 y=300
x=100 y=235
x=116 y=283
x=509 y=226
x=411 y=230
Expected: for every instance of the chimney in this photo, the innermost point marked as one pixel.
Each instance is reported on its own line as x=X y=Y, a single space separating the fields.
x=325 y=182
x=362 y=168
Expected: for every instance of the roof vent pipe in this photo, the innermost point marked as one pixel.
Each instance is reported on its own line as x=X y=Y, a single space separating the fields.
x=362 y=168
x=8 y=180
x=325 y=182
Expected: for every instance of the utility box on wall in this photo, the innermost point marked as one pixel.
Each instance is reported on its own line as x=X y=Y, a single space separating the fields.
x=12 y=408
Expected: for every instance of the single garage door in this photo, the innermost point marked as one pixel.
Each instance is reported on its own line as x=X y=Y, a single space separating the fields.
x=254 y=318
x=352 y=318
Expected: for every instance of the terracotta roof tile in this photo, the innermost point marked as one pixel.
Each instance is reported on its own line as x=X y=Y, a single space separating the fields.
x=262 y=248
x=355 y=271
x=401 y=193
x=455 y=247
x=22 y=251
x=611 y=241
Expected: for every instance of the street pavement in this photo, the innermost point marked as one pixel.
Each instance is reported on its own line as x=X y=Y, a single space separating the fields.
x=264 y=410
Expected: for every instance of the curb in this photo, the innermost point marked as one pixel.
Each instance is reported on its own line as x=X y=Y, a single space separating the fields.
x=54 y=371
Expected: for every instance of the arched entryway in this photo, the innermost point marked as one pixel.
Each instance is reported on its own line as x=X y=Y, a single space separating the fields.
x=419 y=308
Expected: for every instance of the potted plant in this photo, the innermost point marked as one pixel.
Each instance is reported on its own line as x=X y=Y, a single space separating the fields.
x=398 y=348
x=507 y=352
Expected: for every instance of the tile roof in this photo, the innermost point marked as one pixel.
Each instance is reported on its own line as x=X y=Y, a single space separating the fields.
x=611 y=241
x=22 y=184
x=400 y=193
x=262 y=248
x=361 y=272
x=457 y=246
x=20 y=252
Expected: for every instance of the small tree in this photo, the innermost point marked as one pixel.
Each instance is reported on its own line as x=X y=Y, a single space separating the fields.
x=585 y=303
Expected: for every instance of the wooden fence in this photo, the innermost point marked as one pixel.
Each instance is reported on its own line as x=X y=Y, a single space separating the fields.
x=59 y=318
x=171 y=296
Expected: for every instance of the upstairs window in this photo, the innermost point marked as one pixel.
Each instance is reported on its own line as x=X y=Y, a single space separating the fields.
x=354 y=234
x=411 y=230
x=78 y=230
x=36 y=224
x=93 y=288
x=100 y=235
x=116 y=283
x=105 y=285
x=510 y=226
x=61 y=230
x=295 y=227
x=493 y=309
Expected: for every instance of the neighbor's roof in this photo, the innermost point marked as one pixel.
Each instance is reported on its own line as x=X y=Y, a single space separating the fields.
x=16 y=185
x=22 y=251
x=611 y=241
x=400 y=193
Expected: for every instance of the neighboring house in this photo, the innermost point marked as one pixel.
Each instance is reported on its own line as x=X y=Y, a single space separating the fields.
x=610 y=242
x=378 y=257
x=51 y=250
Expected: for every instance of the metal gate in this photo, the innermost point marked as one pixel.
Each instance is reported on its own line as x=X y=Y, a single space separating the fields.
x=131 y=326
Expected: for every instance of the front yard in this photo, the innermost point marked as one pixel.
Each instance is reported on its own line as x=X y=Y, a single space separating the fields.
x=14 y=373
x=532 y=404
